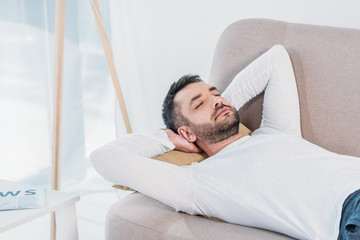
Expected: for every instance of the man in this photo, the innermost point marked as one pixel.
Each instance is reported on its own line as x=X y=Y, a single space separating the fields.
x=273 y=179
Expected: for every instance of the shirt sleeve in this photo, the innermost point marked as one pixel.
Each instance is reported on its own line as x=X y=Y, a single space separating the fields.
x=127 y=161
x=272 y=72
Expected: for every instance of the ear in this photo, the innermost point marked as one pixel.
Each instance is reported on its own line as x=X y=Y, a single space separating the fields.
x=187 y=133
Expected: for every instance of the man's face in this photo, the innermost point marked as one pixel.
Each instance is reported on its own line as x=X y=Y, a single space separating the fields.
x=211 y=117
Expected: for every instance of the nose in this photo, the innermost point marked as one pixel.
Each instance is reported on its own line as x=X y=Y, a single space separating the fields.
x=216 y=101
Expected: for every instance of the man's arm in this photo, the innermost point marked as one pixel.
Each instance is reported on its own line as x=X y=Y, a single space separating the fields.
x=273 y=73
x=127 y=161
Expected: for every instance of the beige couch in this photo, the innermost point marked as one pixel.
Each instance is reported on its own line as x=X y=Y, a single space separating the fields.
x=326 y=61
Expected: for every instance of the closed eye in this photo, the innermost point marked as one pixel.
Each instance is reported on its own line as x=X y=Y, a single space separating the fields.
x=197 y=106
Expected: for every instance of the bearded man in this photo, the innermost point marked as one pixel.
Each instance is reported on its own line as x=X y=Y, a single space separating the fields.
x=273 y=179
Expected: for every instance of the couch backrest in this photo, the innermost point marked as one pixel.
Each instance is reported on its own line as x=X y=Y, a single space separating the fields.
x=326 y=62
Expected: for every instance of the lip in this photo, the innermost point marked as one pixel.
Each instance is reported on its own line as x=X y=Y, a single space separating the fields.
x=222 y=112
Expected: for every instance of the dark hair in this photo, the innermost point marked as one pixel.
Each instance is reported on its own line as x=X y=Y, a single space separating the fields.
x=173 y=117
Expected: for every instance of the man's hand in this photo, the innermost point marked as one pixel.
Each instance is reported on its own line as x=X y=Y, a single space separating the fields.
x=181 y=143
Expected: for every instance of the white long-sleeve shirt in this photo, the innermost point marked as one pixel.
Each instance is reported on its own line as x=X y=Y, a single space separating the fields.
x=273 y=179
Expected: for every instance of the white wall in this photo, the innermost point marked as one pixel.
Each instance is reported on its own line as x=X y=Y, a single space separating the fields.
x=155 y=42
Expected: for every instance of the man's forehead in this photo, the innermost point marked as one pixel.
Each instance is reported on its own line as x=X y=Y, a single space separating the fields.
x=191 y=91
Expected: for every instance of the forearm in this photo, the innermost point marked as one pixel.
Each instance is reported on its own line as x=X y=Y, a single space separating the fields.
x=273 y=73
x=122 y=153
x=252 y=80
x=144 y=145
x=127 y=161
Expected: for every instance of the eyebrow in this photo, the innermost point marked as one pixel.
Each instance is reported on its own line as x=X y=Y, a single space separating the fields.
x=212 y=89
x=199 y=95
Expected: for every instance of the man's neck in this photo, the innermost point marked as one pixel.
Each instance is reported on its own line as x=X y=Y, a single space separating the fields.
x=212 y=149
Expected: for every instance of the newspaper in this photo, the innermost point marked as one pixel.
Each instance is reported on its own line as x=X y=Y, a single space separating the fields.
x=20 y=196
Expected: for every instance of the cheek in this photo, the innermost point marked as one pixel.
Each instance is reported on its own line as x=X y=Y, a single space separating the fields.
x=199 y=117
x=226 y=102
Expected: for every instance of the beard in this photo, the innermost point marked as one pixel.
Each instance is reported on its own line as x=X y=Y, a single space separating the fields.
x=211 y=133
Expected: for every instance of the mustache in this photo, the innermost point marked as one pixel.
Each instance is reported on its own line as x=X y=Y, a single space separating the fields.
x=218 y=108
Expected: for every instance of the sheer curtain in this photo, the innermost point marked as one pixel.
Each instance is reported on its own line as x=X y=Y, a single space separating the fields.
x=155 y=42
x=26 y=90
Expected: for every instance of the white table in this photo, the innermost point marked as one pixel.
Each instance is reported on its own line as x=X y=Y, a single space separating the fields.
x=63 y=204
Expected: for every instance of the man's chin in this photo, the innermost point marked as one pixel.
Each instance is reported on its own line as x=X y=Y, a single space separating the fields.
x=224 y=127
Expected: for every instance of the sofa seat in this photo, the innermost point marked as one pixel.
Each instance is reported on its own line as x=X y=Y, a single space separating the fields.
x=125 y=220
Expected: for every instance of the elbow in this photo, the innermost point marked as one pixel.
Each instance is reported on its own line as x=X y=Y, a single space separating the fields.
x=97 y=160
x=107 y=162
x=280 y=49
x=101 y=163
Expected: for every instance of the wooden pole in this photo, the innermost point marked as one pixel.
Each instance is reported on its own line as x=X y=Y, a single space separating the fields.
x=110 y=61
x=57 y=110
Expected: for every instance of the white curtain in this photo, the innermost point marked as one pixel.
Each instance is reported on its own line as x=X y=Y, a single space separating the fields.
x=26 y=90
x=155 y=42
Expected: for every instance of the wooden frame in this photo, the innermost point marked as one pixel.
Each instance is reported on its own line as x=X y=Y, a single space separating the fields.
x=110 y=60
x=58 y=89
x=57 y=110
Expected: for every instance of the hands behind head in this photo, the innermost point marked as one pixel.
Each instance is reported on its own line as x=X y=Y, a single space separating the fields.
x=181 y=143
